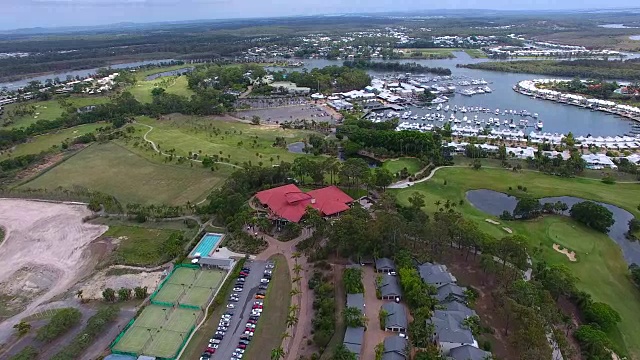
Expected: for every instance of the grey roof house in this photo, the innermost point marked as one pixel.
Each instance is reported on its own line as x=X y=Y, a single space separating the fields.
x=353 y=338
x=435 y=274
x=389 y=288
x=450 y=292
x=356 y=301
x=468 y=352
x=396 y=317
x=385 y=265
x=449 y=331
x=394 y=348
x=456 y=306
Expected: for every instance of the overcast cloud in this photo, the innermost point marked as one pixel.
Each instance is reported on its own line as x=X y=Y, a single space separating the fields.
x=53 y=13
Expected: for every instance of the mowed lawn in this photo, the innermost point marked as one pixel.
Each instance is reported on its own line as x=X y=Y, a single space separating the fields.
x=139 y=246
x=600 y=268
x=48 y=110
x=236 y=141
x=273 y=322
x=395 y=165
x=172 y=84
x=40 y=143
x=131 y=178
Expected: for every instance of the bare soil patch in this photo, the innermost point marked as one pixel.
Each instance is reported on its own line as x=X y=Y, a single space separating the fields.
x=92 y=289
x=45 y=252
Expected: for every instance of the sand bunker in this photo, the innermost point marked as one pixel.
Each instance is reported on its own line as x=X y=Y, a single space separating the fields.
x=491 y=221
x=44 y=252
x=571 y=255
x=507 y=230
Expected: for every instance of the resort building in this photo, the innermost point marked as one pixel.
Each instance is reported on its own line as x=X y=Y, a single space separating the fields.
x=289 y=203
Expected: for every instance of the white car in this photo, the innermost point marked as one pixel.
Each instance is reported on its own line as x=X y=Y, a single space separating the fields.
x=231 y=306
x=264 y=281
x=258 y=302
x=238 y=289
x=240 y=351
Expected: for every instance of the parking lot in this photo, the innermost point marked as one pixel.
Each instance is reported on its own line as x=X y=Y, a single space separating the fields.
x=241 y=311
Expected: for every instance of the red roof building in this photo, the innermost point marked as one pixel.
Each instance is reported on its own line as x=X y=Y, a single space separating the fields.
x=290 y=203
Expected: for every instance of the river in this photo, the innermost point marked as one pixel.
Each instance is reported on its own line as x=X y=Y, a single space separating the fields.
x=82 y=73
x=557 y=118
x=494 y=203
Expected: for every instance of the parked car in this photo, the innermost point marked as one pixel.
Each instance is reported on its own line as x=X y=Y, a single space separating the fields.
x=263 y=287
x=264 y=281
x=237 y=289
x=242 y=346
x=270 y=266
x=241 y=279
x=259 y=296
x=231 y=306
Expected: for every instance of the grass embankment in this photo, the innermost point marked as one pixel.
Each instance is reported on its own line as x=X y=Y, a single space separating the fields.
x=47 y=110
x=412 y=165
x=429 y=53
x=140 y=246
x=172 y=84
x=273 y=322
x=44 y=142
x=201 y=337
x=113 y=169
x=239 y=142
x=476 y=53
x=600 y=269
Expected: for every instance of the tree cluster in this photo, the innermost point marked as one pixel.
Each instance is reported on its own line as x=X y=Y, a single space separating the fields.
x=327 y=79
x=352 y=279
x=593 y=215
x=61 y=322
x=397 y=67
x=324 y=309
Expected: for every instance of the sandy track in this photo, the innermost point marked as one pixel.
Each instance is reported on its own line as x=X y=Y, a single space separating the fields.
x=47 y=238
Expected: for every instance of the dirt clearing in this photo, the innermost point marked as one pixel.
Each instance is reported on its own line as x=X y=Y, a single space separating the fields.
x=45 y=251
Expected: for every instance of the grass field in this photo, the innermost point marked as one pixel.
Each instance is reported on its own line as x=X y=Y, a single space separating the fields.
x=430 y=52
x=273 y=322
x=48 y=110
x=395 y=165
x=239 y=142
x=172 y=85
x=115 y=170
x=44 y=142
x=139 y=246
x=476 y=53
x=600 y=268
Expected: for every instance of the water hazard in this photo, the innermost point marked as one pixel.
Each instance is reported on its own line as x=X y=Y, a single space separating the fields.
x=494 y=203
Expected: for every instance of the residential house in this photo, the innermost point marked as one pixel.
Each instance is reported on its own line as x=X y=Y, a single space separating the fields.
x=468 y=352
x=435 y=274
x=385 y=265
x=449 y=292
x=395 y=348
x=396 y=317
x=353 y=338
x=449 y=332
x=356 y=301
x=389 y=288
x=456 y=306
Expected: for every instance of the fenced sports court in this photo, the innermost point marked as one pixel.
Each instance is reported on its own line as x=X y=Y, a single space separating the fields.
x=163 y=327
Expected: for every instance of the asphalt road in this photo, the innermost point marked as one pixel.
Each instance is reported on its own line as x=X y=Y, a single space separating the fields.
x=242 y=311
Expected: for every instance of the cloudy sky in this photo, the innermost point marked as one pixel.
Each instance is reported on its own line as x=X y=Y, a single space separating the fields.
x=51 y=13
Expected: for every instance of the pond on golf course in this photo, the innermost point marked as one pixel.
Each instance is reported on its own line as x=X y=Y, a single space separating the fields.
x=494 y=203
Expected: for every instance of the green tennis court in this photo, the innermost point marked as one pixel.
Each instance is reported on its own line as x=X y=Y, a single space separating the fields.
x=181 y=320
x=184 y=275
x=134 y=340
x=165 y=344
x=209 y=279
x=197 y=296
x=170 y=293
x=152 y=317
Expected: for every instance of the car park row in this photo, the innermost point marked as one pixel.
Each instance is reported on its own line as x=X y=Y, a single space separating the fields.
x=228 y=317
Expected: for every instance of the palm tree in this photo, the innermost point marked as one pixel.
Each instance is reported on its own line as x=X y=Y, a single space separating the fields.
x=296 y=279
x=294 y=309
x=437 y=203
x=291 y=320
x=296 y=255
x=79 y=294
x=277 y=353
x=297 y=268
x=285 y=335
x=295 y=291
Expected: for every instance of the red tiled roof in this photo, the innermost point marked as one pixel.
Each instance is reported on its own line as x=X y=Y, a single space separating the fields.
x=289 y=202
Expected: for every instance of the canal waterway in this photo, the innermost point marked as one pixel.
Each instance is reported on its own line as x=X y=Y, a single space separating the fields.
x=495 y=203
